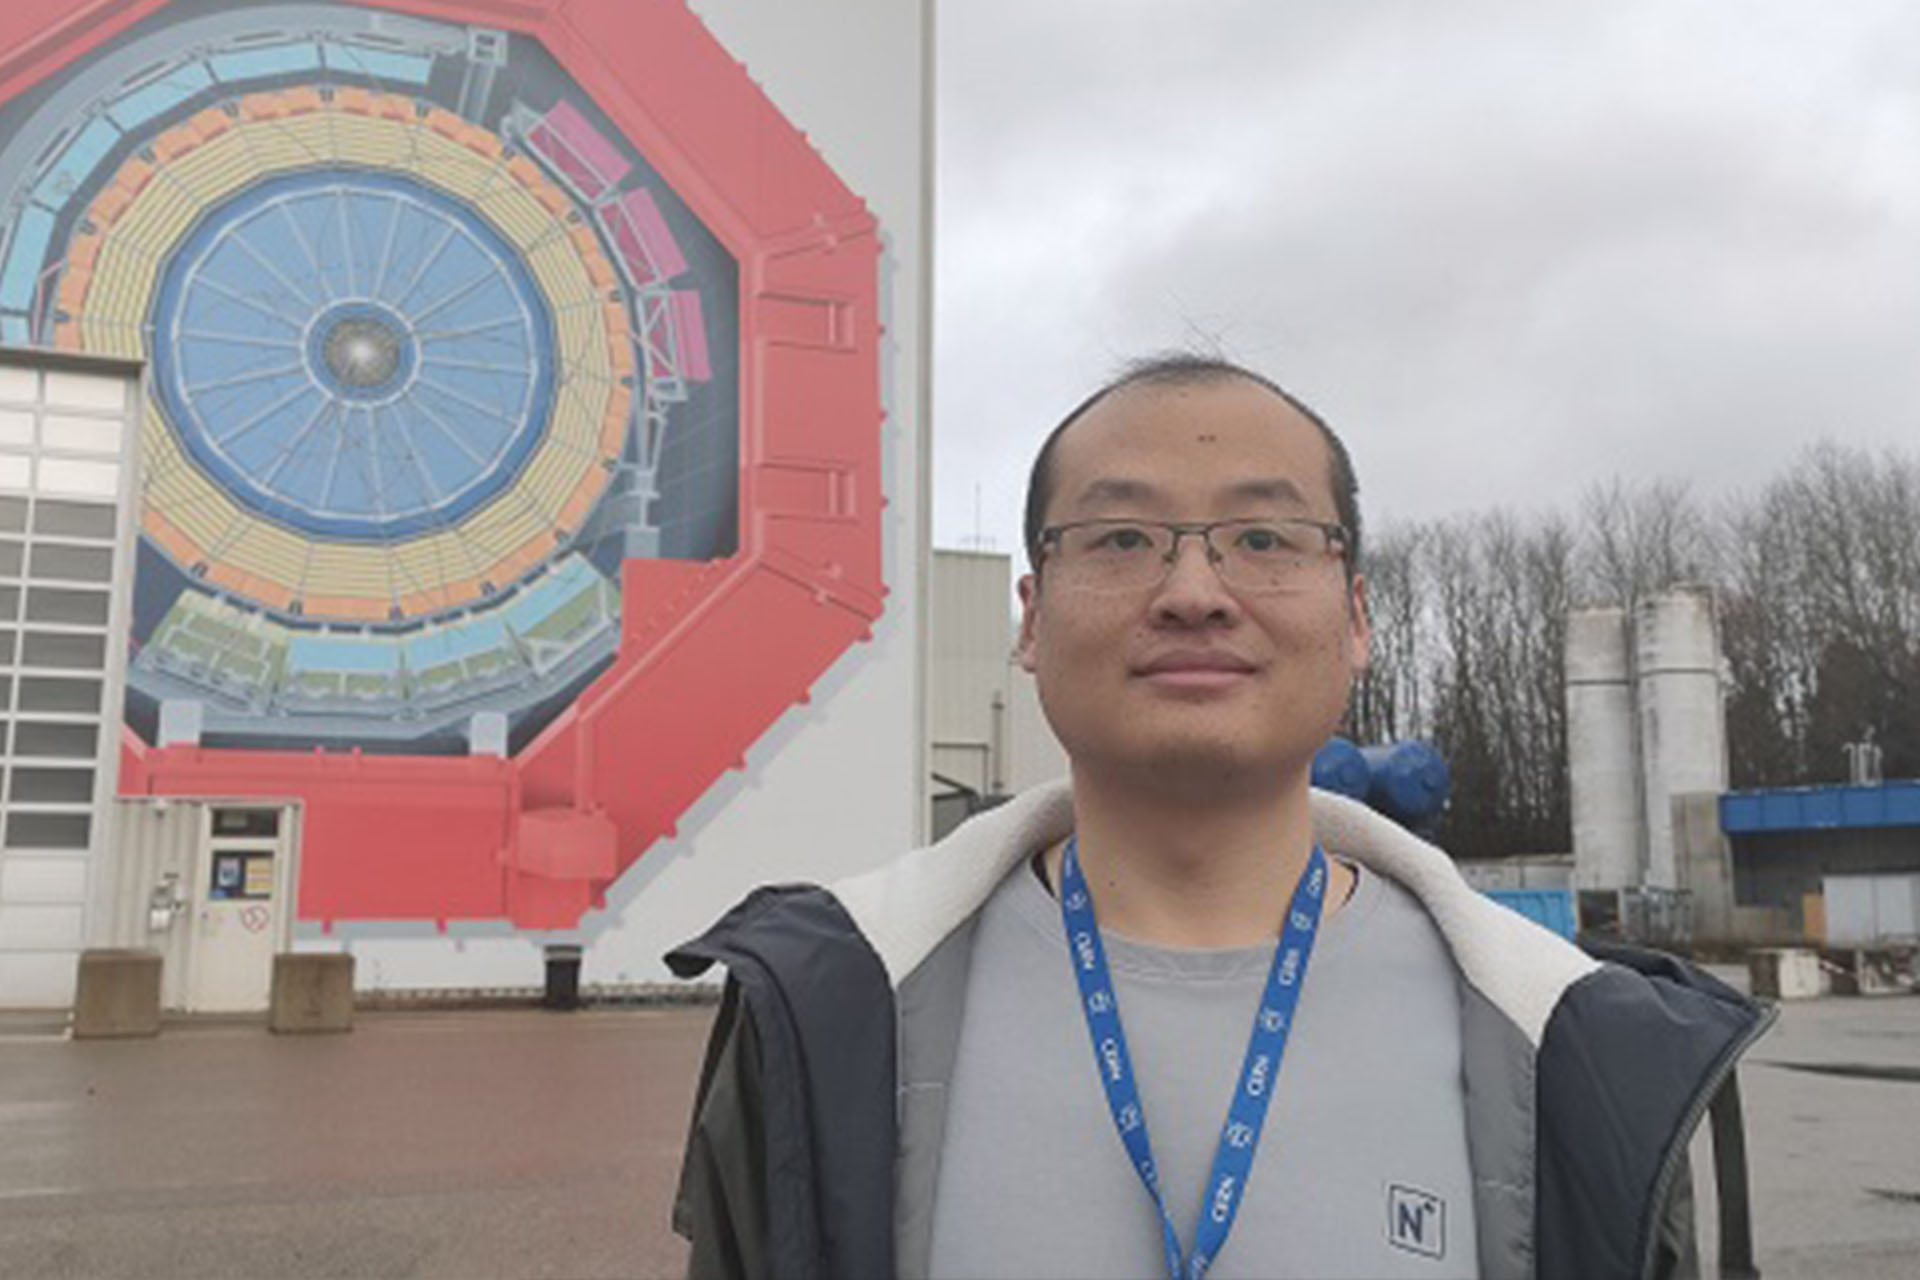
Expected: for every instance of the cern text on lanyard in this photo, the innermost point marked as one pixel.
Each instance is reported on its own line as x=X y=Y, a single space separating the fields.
x=1240 y=1136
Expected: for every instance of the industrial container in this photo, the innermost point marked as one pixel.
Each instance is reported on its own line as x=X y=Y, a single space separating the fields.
x=1548 y=908
x=1872 y=910
x=1340 y=767
x=1410 y=781
x=212 y=886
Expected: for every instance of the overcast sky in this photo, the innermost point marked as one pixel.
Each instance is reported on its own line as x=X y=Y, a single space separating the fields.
x=1507 y=249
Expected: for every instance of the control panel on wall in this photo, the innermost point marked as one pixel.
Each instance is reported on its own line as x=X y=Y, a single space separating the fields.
x=245 y=850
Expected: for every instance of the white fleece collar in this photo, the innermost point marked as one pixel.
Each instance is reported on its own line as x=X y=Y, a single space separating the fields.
x=906 y=907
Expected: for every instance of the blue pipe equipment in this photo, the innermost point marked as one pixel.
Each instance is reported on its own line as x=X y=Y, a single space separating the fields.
x=1410 y=781
x=1340 y=767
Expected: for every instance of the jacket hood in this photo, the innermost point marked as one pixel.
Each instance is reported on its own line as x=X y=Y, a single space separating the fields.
x=907 y=907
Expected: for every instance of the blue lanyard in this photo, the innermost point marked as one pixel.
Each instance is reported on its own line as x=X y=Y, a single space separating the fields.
x=1248 y=1111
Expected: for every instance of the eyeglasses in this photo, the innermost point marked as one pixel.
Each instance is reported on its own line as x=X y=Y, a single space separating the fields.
x=1254 y=556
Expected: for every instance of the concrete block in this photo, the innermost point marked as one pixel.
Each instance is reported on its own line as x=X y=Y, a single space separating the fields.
x=1785 y=973
x=1873 y=971
x=117 y=994
x=311 y=992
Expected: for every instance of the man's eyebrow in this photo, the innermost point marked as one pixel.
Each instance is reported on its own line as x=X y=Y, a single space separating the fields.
x=1268 y=489
x=1113 y=489
x=1118 y=489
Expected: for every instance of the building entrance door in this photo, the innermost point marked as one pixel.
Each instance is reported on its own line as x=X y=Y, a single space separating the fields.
x=241 y=896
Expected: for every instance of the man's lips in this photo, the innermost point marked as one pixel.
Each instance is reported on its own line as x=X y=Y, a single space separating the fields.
x=1196 y=668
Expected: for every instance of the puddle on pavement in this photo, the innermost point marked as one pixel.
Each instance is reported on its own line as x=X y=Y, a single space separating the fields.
x=1851 y=1070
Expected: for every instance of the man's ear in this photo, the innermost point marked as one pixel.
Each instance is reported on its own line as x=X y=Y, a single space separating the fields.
x=1360 y=625
x=1029 y=588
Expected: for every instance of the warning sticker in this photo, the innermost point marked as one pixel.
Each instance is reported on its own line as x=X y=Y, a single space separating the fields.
x=259 y=878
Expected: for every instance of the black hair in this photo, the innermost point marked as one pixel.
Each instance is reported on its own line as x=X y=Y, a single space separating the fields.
x=1181 y=368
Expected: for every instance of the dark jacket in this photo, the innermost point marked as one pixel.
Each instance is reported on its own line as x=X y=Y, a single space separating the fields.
x=817 y=1128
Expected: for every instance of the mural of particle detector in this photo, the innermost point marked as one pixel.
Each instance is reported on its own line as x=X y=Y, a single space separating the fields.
x=433 y=349
x=449 y=356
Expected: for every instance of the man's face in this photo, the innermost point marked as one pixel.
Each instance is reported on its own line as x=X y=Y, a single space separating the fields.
x=1134 y=681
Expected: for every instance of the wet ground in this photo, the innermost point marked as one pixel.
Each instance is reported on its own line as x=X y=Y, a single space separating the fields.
x=464 y=1145
x=524 y=1144
x=1832 y=1101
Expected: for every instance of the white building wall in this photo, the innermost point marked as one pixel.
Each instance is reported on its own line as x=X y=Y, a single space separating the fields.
x=68 y=465
x=156 y=848
x=1602 y=764
x=1035 y=755
x=969 y=636
x=840 y=784
x=989 y=731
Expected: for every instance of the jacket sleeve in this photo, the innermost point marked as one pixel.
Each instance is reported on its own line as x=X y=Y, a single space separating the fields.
x=721 y=1205
x=1676 y=1254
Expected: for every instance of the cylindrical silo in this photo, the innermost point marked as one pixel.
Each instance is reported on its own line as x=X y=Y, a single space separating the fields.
x=1683 y=726
x=1601 y=762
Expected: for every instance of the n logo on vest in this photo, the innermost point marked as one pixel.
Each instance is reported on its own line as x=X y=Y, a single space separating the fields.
x=1416 y=1221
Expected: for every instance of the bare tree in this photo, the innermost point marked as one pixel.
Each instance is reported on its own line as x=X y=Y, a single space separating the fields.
x=1764 y=634
x=1390 y=700
x=1639 y=539
x=1817 y=576
x=1499 y=592
x=1854 y=523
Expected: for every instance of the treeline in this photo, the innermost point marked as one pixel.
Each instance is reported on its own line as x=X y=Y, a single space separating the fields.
x=1817 y=581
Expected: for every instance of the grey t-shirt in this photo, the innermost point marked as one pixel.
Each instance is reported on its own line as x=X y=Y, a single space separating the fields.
x=1362 y=1168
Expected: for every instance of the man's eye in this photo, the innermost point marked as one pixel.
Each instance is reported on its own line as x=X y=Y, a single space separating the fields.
x=1264 y=541
x=1123 y=539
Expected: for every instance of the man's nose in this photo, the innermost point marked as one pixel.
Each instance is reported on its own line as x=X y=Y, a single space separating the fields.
x=1192 y=593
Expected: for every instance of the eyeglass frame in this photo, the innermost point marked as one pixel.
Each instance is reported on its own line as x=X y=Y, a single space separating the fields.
x=1339 y=540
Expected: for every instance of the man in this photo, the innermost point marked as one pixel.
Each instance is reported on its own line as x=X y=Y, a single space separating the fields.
x=1183 y=1016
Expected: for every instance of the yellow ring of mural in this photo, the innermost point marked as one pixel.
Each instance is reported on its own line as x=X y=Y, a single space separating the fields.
x=115 y=261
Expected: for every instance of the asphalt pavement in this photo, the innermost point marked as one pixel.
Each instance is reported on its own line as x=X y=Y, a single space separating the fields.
x=498 y=1144
x=522 y=1143
x=1832 y=1100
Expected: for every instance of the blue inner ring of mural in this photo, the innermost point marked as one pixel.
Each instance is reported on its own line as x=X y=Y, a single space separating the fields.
x=344 y=393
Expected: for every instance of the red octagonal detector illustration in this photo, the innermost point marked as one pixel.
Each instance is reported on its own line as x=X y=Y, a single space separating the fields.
x=667 y=180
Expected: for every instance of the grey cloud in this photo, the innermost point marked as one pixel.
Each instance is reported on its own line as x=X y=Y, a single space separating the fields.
x=1509 y=250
